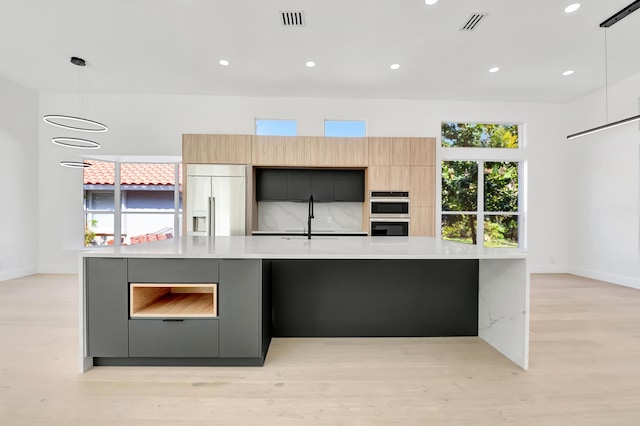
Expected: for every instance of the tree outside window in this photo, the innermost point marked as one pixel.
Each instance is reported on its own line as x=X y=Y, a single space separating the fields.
x=480 y=198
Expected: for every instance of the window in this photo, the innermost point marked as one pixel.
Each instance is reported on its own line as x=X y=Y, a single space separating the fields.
x=276 y=127
x=345 y=128
x=475 y=135
x=481 y=198
x=142 y=204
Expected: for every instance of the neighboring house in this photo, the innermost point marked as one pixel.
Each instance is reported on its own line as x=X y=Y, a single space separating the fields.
x=147 y=208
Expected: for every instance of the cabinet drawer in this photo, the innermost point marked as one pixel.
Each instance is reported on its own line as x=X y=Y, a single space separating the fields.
x=173 y=338
x=173 y=270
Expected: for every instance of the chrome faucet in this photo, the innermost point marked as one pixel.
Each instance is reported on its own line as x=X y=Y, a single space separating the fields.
x=310 y=217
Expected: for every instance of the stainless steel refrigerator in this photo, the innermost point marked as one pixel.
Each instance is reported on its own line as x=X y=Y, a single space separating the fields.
x=216 y=199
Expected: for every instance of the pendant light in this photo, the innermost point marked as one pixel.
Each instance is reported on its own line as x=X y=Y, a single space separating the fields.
x=75 y=164
x=606 y=24
x=80 y=124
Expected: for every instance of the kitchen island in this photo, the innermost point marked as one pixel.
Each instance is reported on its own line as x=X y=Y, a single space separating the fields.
x=230 y=295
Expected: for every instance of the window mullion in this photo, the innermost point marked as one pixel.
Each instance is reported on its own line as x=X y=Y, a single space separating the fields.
x=480 y=204
x=117 y=220
x=176 y=201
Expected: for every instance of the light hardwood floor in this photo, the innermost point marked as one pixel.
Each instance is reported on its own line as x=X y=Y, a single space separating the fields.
x=584 y=370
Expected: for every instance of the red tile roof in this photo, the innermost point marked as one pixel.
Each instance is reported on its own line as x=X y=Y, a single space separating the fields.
x=103 y=173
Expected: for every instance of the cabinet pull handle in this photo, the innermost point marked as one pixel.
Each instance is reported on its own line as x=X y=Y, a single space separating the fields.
x=172 y=320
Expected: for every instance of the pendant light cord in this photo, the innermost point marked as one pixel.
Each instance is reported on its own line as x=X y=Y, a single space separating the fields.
x=606 y=78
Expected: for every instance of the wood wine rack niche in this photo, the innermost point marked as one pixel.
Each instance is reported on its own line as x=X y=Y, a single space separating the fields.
x=173 y=300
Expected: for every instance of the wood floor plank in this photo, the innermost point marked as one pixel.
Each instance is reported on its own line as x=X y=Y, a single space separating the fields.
x=584 y=370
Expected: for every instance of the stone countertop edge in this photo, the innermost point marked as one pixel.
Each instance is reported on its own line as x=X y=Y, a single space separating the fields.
x=297 y=247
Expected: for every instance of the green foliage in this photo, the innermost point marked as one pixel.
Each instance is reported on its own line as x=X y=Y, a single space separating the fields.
x=89 y=234
x=460 y=192
x=477 y=135
x=459 y=186
x=457 y=228
x=501 y=187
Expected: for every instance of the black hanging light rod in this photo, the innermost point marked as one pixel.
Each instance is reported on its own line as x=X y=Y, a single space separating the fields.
x=626 y=11
x=605 y=127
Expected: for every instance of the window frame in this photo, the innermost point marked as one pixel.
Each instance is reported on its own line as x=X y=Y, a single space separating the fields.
x=326 y=120
x=483 y=155
x=118 y=210
x=255 y=126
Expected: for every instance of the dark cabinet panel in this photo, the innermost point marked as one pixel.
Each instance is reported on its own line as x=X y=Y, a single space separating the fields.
x=173 y=270
x=322 y=185
x=107 y=301
x=298 y=184
x=349 y=185
x=240 y=295
x=271 y=185
x=173 y=338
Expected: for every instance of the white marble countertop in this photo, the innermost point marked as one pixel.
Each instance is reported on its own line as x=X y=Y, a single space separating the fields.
x=314 y=232
x=298 y=247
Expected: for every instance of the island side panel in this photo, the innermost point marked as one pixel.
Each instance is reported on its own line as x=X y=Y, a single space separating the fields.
x=503 y=307
x=375 y=298
x=107 y=307
x=240 y=308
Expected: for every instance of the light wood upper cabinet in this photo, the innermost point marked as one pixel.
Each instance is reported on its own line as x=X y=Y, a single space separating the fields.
x=351 y=152
x=296 y=151
x=379 y=151
x=320 y=151
x=423 y=183
x=423 y=151
x=401 y=151
x=400 y=178
x=423 y=221
x=379 y=177
x=269 y=150
x=216 y=149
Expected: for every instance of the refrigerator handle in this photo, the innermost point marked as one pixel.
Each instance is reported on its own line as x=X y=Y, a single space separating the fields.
x=212 y=215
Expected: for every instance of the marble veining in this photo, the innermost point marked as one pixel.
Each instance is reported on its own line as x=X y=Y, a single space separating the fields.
x=292 y=216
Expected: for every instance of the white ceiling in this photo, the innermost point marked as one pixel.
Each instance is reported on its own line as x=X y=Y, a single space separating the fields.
x=173 y=47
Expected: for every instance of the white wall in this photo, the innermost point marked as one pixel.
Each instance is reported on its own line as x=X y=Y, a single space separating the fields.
x=153 y=125
x=604 y=235
x=19 y=173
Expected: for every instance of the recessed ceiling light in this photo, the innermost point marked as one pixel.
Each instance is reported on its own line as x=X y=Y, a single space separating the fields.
x=572 y=7
x=494 y=69
x=223 y=62
x=394 y=66
x=310 y=64
x=567 y=72
x=430 y=2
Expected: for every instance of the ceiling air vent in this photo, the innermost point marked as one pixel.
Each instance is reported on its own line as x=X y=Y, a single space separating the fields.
x=292 y=19
x=473 y=21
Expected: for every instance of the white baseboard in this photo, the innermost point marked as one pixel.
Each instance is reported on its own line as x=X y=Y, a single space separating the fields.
x=17 y=273
x=548 y=269
x=610 y=278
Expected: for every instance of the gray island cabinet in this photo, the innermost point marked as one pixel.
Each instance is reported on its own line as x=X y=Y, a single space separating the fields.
x=231 y=334
x=218 y=301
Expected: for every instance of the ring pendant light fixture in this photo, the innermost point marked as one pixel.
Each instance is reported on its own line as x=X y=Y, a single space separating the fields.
x=75 y=164
x=97 y=127
x=75 y=143
x=79 y=124
x=628 y=10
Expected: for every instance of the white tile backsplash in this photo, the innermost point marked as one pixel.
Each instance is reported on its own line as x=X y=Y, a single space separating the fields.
x=292 y=216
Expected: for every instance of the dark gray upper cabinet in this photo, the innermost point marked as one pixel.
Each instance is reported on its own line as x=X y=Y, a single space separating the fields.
x=349 y=185
x=271 y=185
x=298 y=184
x=322 y=185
